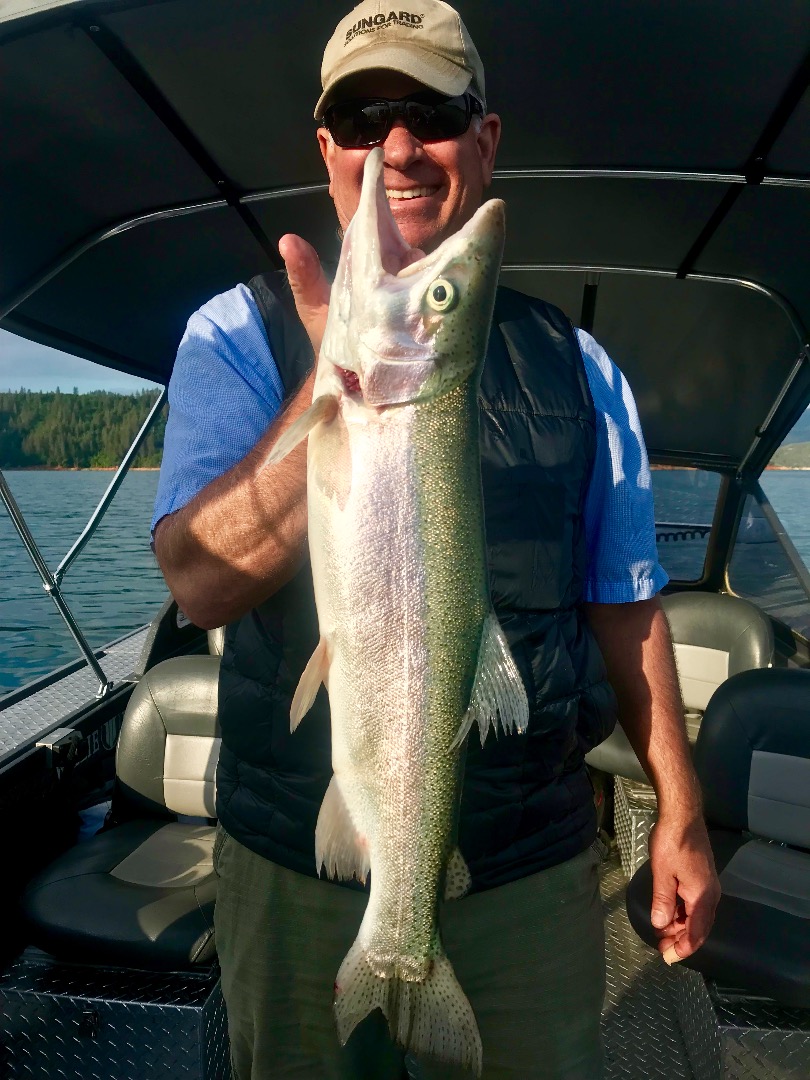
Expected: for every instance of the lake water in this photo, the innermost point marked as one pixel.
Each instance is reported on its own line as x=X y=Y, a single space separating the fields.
x=113 y=587
x=116 y=586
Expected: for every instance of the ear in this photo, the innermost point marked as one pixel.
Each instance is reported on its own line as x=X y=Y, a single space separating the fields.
x=489 y=135
x=327 y=147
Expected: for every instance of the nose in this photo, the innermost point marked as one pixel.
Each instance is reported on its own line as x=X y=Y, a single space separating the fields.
x=401 y=147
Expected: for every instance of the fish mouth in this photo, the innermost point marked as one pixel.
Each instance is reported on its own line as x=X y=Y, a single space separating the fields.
x=351 y=383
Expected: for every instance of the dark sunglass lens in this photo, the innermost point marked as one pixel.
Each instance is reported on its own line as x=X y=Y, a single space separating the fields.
x=437 y=120
x=429 y=117
x=356 y=124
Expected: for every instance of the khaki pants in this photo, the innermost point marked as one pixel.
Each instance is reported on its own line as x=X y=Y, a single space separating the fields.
x=529 y=955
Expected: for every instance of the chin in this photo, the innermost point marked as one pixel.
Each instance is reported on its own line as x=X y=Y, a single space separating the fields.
x=424 y=236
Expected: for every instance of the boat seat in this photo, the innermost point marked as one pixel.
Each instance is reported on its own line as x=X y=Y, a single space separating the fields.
x=753 y=760
x=714 y=636
x=142 y=893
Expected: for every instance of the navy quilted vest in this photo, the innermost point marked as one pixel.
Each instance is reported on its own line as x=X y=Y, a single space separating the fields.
x=527 y=801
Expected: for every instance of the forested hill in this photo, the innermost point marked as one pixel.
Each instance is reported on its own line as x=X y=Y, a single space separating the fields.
x=94 y=430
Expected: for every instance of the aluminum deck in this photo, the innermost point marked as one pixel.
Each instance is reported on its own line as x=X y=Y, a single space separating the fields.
x=639 y=1024
x=23 y=721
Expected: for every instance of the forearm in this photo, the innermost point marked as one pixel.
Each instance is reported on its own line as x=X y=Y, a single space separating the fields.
x=243 y=536
x=635 y=642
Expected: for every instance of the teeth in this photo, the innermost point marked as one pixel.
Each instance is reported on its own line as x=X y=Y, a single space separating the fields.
x=410 y=193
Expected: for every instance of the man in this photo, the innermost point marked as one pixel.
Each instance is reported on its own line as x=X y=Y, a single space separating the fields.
x=572 y=562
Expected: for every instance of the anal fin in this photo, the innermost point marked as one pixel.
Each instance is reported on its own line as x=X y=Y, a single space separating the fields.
x=309 y=684
x=339 y=849
x=322 y=408
x=457 y=879
x=498 y=695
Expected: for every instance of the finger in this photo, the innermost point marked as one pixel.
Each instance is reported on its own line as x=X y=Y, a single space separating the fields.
x=699 y=920
x=671 y=930
x=663 y=902
x=673 y=947
x=309 y=285
x=672 y=955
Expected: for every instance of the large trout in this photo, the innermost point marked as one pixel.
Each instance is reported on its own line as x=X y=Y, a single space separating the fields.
x=410 y=650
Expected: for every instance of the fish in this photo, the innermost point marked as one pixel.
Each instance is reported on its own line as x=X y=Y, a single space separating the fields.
x=410 y=649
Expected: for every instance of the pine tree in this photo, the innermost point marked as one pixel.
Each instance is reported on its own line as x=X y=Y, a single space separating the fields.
x=47 y=430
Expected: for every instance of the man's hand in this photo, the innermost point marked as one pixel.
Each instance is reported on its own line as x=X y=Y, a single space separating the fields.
x=635 y=643
x=685 y=886
x=309 y=286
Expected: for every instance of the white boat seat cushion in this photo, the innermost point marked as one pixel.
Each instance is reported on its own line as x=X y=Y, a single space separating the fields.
x=169 y=743
x=177 y=856
x=713 y=636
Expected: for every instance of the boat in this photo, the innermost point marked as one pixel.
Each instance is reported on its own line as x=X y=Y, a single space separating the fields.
x=655 y=164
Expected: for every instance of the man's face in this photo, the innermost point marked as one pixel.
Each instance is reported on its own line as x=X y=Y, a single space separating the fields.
x=449 y=176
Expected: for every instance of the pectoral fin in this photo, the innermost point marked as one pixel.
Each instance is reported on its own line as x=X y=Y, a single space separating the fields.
x=324 y=407
x=498 y=695
x=338 y=847
x=309 y=684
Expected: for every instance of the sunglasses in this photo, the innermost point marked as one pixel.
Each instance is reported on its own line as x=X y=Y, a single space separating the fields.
x=429 y=117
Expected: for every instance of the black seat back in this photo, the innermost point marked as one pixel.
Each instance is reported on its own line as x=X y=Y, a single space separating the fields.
x=753 y=755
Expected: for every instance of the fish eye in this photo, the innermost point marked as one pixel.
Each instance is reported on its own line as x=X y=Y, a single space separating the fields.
x=442 y=295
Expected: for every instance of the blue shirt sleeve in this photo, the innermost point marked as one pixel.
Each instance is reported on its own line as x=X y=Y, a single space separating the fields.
x=623 y=561
x=224 y=392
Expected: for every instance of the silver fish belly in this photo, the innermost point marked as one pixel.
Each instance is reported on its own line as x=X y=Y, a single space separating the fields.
x=410 y=651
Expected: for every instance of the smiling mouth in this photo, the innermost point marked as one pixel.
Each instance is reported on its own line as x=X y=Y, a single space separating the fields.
x=410 y=193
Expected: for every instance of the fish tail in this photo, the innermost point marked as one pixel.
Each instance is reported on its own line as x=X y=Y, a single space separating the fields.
x=431 y=1017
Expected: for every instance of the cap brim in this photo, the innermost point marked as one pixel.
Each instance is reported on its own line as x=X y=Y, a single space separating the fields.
x=426 y=67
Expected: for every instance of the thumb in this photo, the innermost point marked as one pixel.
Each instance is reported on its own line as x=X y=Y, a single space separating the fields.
x=663 y=904
x=309 y=286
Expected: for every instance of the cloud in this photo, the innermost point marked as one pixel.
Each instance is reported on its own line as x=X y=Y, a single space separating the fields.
x=36 y=367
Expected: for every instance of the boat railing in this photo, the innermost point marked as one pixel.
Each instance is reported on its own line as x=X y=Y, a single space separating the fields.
x=52 y=581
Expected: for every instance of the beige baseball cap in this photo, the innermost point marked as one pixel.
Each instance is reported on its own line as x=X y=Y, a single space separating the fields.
x=429 y=42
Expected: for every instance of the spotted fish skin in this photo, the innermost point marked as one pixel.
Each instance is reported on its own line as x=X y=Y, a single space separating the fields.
x=410 y=651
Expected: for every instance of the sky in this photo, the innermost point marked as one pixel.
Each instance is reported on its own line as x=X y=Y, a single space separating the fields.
x=24 y=364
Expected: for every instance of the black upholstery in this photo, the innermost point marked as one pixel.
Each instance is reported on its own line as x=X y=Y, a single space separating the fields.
x=714 y=621
x=79 y=911
x=142 y=894
x=770 y=714
x=753 y=760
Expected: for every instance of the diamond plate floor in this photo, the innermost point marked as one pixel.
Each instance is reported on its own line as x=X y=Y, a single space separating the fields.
x=29 y=717
x=639 y=1023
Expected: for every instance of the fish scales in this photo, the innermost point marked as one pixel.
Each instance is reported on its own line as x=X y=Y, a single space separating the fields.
x=410 y=650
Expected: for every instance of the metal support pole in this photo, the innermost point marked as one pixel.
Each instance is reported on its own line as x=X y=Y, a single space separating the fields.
x=50 y=585
x=109 y=494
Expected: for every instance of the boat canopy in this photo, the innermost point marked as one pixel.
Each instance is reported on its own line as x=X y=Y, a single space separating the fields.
x=655 y=163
